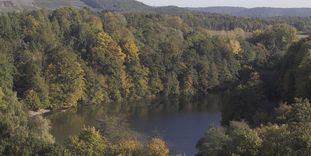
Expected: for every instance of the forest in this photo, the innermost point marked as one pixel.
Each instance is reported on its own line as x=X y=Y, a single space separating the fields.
x=63 y=58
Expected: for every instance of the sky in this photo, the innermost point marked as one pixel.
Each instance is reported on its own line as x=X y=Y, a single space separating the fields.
x=241 y=3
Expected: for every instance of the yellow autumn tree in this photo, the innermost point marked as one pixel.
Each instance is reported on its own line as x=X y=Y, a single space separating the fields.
x=131 y=49
x=32 y=24
x=138 y=73
x=108 y=58
x=95 y=22
x=188 y=85
x=157 y=147
x=235 y=46
x=126 y=148
x=116 y=26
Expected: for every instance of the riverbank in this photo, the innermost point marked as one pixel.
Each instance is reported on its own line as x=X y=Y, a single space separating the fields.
x=39 y=112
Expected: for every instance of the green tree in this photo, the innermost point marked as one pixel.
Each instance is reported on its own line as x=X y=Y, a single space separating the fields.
x=276 y=39
x=95 y=88
x=276 y=140
x=213 y=142
x=88 y=143
x=40 y=129
x=298 y=111
x=29 y=79
x=126 y=148
x=243 y=140
x=66 y=79
x=31 y=100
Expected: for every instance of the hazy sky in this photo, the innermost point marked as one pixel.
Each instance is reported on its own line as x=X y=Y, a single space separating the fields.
x=243 y=3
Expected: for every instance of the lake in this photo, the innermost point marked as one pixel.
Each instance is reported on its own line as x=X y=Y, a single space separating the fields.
x=180 y=121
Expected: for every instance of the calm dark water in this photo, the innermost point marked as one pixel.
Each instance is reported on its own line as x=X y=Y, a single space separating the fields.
x=180 y=130
x=180 y=121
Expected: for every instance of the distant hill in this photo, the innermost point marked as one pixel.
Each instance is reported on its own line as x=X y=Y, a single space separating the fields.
x=111 y=5
x=257 y=12
x=133 y=5
x=220 y=10
x=114 y=5
x=53 y=4
x=117 y=5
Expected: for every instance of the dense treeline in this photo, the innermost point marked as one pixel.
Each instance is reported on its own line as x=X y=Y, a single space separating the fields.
x=260 y=12
x=129 y=58
x=288 y=133
x=65 y=57
x=249 y=122
x=300 y=23
x=224 y=22
x=295 y=71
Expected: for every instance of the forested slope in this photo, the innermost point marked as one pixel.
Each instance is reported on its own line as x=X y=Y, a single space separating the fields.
x=61 y=58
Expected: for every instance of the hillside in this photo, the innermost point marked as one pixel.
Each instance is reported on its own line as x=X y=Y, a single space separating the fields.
x=257 y=12
x=220 y=10
x=133 y=5
x=53 y=4
x=111 y=5
x=117 y=5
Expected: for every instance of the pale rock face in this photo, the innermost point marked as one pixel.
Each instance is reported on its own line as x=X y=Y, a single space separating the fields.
x=7 y=5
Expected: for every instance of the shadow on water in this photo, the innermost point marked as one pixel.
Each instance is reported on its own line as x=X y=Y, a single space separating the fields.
x=180 y=120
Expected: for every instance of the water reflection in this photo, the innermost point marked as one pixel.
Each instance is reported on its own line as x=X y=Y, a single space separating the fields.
x=180 y=120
